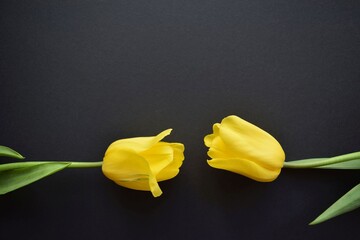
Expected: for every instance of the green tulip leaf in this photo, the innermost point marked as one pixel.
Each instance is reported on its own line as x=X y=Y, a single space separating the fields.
x=347 y=203
x=17 y=175
x=8 y=152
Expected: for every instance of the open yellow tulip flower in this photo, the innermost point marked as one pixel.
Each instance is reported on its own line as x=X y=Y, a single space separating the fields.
x=241 y=147
x=140 y=163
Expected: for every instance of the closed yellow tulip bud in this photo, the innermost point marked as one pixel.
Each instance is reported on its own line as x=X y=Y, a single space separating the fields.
x=241 y=147
x=140 y=163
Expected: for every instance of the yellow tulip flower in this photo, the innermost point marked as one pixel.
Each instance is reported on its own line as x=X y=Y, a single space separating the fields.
x=140 y=163
x=241 y=147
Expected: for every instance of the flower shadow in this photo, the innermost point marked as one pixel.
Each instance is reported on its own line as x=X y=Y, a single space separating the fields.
x=232 y=191
x=132 y=200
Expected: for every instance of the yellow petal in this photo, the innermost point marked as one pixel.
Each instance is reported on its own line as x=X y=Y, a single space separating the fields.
x=154 y=187
x=219 y=149
x=139 y=144
x=246 y=168
x=128 y=169
x=158 y=156
x=209 y=138
x=247 y=141
x=172 y=169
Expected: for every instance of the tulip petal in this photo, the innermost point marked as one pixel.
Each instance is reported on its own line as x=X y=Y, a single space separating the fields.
x=172 y=169
x=158 y=157
x=248 y=141
x=219 y=149
x=178 y=149
x=128 y=169
x=209 y=138
x=139 y=144
x=246 y=168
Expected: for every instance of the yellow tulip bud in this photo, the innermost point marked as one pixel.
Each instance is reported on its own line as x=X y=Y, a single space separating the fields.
x=140 y=163
x=241 y=147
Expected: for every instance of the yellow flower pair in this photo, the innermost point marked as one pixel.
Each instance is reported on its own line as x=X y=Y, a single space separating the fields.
x=235 y=145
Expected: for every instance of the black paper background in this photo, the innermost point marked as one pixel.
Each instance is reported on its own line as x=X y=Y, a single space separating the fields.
x=77 y=75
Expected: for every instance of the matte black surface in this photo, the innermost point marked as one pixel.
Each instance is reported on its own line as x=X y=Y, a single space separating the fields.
x=77 y=75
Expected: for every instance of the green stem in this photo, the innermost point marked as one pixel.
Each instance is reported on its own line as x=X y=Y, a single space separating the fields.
x=318 y=162
x=85 y=164
x=8 y=166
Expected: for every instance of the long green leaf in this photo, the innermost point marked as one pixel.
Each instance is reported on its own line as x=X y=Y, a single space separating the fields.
x=15 y=176
x=8 y=152
x=348 y=202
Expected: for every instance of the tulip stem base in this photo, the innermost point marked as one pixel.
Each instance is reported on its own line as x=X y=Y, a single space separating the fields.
x=85 y=164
